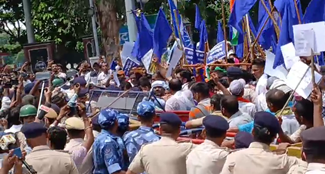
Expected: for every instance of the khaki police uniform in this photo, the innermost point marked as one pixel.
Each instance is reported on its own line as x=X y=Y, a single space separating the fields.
x=258 y=159
x=207 y=158
x=47 y=161
x=165 y=156
x=298 y=169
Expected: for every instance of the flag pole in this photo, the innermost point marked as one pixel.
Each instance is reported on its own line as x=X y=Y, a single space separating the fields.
x=249 y=38
x=224 y=28
x=277 y=30
x=180 y=38
x=297 y=11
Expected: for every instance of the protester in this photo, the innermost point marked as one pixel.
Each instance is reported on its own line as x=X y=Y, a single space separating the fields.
x=201 y=95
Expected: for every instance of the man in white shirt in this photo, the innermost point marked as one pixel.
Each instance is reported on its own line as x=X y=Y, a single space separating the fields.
x=177 y=102
x=258 y=72
x=185 y=77
x=104 y=75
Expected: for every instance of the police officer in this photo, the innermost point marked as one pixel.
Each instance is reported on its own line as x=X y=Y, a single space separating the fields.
x=28 y=113
x=42 y=158
x=165 y=156
x=258 y=158
x=144 y=134
x=107 y=155
x=313 y=141
x=209 y=157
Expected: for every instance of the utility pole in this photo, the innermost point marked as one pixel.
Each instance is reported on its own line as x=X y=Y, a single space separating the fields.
x=28 y=21
x=132 y=27
x=94 y=26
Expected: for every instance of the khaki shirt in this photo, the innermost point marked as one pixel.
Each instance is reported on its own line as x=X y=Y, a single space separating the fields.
x=258 y=159
x=47 y=161
x=298 y=169
x=165 y=156
x=207 y=158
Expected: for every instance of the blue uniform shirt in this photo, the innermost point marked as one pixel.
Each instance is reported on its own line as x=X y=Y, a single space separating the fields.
x=108 y=155
x=135 y=139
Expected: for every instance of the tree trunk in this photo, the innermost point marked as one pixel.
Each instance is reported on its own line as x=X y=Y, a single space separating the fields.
x=109 y=25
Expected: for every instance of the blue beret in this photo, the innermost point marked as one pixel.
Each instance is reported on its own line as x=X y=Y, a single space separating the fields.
x=33 y=130
x=107 y=118
x=28 y=87
x=80 y=80
x=146 y=109
x=243 y=140
x=170 y=118
x=313 y=139
x=267 y=120
x=123 y=122
x=215 y=123
x=234 y=71
x=83 y=92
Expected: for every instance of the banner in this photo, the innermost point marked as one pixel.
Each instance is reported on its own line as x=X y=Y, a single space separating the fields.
x=189 y=56
x=129 y=64
x=217 y=52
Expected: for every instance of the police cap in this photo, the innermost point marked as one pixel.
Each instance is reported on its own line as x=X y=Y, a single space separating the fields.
x=74 y=123
x=33 y=130
x=268 y=121
x=313 y=138
x=170 y=119
x=215 y=123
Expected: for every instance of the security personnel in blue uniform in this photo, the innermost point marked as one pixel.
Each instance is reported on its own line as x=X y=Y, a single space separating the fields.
x=209 y=156
x=165 y=156
x=123 y=126
x=145 y=134
x=108 y=155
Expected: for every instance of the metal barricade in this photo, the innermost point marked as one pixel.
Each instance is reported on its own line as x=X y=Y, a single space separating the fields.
x=126 y=104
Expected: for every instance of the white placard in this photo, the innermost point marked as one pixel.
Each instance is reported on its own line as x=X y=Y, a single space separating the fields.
x=126 y=52
x=146 y=60
x=304 y=42
x=319 y=34
x=177 y=55
x=117 y=81
x=280 y=72
x=298 y=71
x=289 y=55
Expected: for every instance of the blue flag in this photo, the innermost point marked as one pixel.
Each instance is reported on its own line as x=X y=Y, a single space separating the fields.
x=268 y=36
x=144 y=40
x=315 y=11
x=251 y=25
x=198 y=18
x=289 y=18
x=203 y=36
x=220 y=36
x=176 y=25
x=320 y=59
x=161 y=34
x=239 y=10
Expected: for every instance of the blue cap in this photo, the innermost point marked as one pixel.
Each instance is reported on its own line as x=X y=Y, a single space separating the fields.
x=170 y=118
x=146 y=109
x=234 y=71
x=243 y=140
x=80 y=80
x=83 y=92
x=313 y=140
x=33 y=130
x=267 y=120
x=123 y=122
x=215 y=123
x=28 y=87
x=107 y=118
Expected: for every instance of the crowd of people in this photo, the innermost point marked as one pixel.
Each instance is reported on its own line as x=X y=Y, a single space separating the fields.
x=53 y=126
